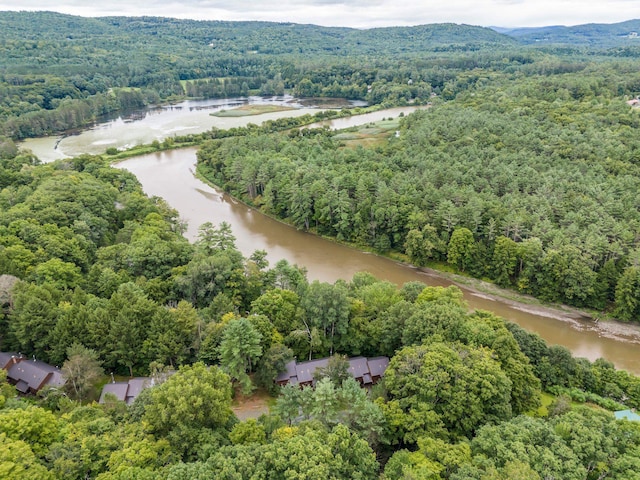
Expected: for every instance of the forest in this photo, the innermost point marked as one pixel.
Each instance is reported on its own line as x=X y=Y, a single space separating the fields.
x=522 y=169
x=531 y=183
x=108 y=282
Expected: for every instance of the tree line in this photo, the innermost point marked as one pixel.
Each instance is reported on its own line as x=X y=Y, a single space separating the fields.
x=531 y=183
x=61 y=72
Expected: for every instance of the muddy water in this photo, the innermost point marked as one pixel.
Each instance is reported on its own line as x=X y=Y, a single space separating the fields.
x=170 y=175
x=145 y=126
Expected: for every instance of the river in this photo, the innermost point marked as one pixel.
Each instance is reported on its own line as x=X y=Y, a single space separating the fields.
x=169 y=175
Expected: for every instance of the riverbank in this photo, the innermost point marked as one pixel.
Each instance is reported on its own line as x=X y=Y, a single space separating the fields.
x=579 y=319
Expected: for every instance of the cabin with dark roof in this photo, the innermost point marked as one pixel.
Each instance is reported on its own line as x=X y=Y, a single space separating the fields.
x=128 y=391
x=366 y=371
x=377 y=367
x=9 y=358
x=31 y=376
x=117 y=389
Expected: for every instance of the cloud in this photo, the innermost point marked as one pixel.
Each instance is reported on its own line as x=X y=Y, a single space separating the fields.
x=359 y=13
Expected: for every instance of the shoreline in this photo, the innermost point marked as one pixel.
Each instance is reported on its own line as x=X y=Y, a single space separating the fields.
x=579 y=318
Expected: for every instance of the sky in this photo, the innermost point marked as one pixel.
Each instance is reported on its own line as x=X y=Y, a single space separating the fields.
x=357 y=13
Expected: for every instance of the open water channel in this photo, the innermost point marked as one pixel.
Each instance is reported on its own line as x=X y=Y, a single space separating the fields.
x=170 y=175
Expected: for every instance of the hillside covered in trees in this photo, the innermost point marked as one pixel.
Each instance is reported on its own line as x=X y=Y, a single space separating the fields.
x=106 y=279
x=60 y=72
x=523 y=170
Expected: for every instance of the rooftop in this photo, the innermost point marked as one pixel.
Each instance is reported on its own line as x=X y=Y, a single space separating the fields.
x=34 y=375
x=366 y=371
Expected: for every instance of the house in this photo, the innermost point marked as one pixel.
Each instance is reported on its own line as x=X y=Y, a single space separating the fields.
x=377 y=367
x=9 y=358
x=367 y=371
x=117 y=389
x=31 y=376
x=128 y=391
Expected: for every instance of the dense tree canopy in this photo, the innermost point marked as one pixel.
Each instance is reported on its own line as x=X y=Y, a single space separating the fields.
x=523 y=171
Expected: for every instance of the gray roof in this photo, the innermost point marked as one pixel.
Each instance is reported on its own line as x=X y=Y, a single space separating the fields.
x=118 y=389
x=377 y=366
x=129 y=391
x=22 y=386
x=361 y=368
x=306 y=370
x=289 y=373
x=6 y=359
x=35 y=374
x=136 y=385
x=358 y=366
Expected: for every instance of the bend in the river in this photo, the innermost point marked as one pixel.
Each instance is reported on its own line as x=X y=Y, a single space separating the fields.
x=170 y=175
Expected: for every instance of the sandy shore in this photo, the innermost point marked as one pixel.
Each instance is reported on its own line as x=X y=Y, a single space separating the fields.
x=580 y=319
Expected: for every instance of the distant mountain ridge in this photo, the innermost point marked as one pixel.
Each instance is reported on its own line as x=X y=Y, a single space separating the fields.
x=271 y=38
x=254 y=37
x=591 y=34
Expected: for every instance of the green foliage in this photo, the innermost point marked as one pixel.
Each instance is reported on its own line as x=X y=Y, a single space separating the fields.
x=347 y=404
x=337 y=370
x=463 y=386
x=271 y=364
x=81 y=371
x=17 y=461
x=497 y=181
x=240 y=350
x=560 y=447
x=460 y=250
x=326 y=315
x=195 y=397
x=628 y=295
x=308 y=452
x=33 y=425
x=524 y=170
x=247 y=433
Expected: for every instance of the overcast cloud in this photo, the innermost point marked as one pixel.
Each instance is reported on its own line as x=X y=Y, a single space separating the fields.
x=358 y=13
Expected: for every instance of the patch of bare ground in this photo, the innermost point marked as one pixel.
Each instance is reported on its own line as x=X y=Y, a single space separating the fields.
x=251 y=406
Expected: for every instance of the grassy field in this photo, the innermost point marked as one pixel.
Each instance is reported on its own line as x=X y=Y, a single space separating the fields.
x=248 y=110
x=369 y=135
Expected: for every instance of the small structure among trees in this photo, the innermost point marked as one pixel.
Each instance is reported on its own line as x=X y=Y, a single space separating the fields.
x=367 y=371
x=128 y=391
x=30 y=376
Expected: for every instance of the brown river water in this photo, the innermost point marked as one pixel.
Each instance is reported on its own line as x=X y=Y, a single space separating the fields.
x=170 y=175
